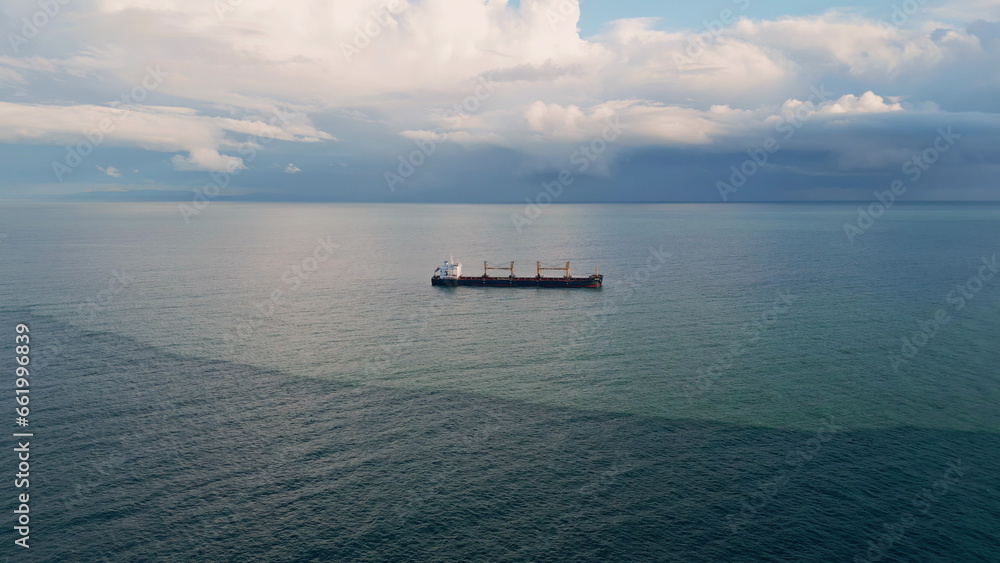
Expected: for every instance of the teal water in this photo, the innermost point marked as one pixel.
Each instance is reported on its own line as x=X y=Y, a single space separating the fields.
x=738 y=390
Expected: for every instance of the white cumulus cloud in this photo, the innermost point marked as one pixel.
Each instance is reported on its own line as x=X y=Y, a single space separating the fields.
x=153 y=128
x=110 y=171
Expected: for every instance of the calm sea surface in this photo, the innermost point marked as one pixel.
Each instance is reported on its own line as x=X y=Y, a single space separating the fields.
x=282 y=383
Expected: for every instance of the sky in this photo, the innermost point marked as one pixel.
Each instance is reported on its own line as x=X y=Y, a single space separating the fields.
x=500 y=101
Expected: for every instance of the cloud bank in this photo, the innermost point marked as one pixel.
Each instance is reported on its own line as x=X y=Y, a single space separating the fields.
x=347 y=89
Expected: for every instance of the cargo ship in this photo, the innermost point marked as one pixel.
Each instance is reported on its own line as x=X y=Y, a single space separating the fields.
x=450 y=274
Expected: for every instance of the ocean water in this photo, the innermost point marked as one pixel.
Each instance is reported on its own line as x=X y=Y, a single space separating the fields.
x=282 y=383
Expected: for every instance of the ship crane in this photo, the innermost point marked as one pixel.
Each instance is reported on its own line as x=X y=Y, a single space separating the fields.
x=487 y=268
x=539 y=268
x=449 y=274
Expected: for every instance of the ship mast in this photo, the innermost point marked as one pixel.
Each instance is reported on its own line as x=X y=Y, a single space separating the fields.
x=487 y=268
x=539 y=268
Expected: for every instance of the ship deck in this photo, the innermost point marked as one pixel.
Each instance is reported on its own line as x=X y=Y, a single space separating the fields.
x=507 y=281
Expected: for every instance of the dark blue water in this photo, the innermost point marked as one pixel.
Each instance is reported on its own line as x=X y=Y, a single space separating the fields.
x=739 y=390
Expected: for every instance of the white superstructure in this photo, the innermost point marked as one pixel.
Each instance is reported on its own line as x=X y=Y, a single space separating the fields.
x=450 y=270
